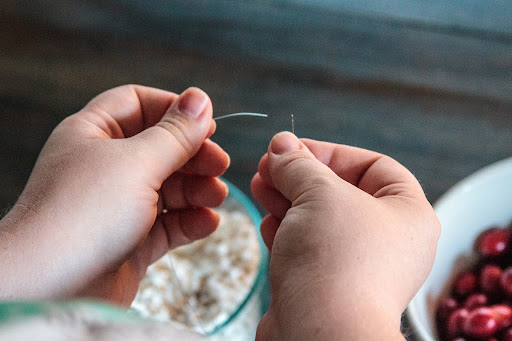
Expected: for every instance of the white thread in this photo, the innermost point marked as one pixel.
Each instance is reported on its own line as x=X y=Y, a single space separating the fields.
x=240 y=114
x=180 y=287
x=178 y=282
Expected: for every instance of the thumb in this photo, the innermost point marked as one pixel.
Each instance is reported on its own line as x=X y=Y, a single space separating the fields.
x=179 y=134
x=294 y=169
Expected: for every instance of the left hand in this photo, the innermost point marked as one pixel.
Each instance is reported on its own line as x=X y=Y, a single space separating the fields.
x=90 y=220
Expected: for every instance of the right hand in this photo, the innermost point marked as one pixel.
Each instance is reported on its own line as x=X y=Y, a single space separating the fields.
x=352 y=239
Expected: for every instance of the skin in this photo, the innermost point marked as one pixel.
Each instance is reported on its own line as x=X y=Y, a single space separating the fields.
x=90 y=220
x=352 y=239
x=351 y=234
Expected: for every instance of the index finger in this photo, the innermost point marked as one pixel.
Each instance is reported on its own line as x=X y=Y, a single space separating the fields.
x=210 y=160
x=372 y=172
x=133 y=107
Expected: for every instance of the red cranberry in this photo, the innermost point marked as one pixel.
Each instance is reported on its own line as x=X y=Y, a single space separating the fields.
x=490 y=278
x=475 y=301
x=503 y=315
x=469 y=315
x=464 y=284
x=480 y=323
x=455 y=322
x=506 y=281
x=445 y=308
x=493 y=242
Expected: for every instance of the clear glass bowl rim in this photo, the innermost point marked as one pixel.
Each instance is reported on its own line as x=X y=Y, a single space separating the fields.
x=262 y=275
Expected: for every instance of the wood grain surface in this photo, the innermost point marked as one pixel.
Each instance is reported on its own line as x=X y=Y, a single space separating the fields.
x=419 y=43
x=47 y=74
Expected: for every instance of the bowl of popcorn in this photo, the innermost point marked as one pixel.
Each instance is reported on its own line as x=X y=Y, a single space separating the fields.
x=468 y=294
x=216 y=286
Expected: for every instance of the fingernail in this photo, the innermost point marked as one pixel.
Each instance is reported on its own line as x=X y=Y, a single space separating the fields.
x=284 y=142
x=192 y=102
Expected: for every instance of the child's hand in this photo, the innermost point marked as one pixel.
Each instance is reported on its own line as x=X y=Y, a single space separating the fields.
x=91 y=218
x=352 y=239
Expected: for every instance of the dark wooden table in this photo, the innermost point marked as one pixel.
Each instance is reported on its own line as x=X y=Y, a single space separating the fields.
x=442 y=126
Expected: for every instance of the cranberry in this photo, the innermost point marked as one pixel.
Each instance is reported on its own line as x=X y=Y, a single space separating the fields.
x=480 y=323
x=481 y=304
x=506 y=281
x=445 y=308
x=464 y=284
x=490 y=279
x=503 y=315
x=493 y=242
x=475 y=301
x=455 y=322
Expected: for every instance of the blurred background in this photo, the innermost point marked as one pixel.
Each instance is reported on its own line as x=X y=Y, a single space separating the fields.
x=426 y=82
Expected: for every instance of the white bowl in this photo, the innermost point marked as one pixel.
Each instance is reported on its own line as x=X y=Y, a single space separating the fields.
x=480 y=201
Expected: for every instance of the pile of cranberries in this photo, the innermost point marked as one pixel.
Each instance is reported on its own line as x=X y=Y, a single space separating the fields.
x=480 y=304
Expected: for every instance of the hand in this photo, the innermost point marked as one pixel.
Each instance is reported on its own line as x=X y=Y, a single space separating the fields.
x=91 y=218
x=352 y=239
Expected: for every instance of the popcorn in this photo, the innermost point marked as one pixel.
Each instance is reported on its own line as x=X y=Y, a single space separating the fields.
x=215 y=275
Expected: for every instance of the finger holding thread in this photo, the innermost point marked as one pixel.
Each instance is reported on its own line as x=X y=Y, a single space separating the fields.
x=269 y=197
x=263 y=170
x=210 y=160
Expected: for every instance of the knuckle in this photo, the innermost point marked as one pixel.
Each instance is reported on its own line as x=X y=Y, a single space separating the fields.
x=177 y=129
x=314 y=181
x=295 y=164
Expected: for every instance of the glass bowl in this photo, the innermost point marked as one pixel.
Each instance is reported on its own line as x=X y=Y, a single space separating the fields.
x=237 y=321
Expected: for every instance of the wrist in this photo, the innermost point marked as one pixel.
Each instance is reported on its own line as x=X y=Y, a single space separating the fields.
x=32 y=257
x=355 y=324
x=13 y=278
x=327 y=313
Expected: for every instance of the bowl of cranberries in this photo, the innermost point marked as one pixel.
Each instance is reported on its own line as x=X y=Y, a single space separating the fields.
x=468 y=294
